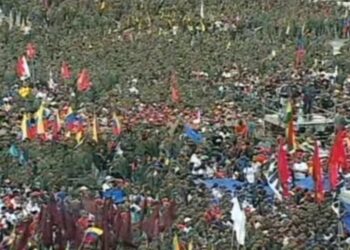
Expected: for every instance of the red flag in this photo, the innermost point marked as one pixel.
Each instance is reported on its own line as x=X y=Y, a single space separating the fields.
x=45 y=226
x=283 y=169
x=84 y=83
x=22 y=68
x=317 y=175
x=337 y=158
x=25 y=232
x=126 y=229
x=31 y=51
x=66 y=72
x=175 y=92
x=300 y=57
x=117 y=225
x=169 y=216
x=151 y=225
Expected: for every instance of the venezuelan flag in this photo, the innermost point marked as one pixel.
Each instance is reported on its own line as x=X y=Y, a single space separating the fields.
x=92 y=234
x=74 y=122
x=94 y=230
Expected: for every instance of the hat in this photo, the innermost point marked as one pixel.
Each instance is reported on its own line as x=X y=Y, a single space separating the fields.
x=187 y=220
x=83 y=188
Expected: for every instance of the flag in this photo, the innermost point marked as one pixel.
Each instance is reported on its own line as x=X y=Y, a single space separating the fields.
x=40 y=120
x=317 y=175
x=151 y=225
x=175 y=92
x=126 y=229
x=69 y=111
x=31 y=51
x=22 y=68
x=283 y=169
x=74 y=122
x=198 y=118
x=176 y=244
x=289 y=113
x=103 y=5
x=290 y=131
x=169 y=215
x=337 y=159
x=24 y=127
x=117 y=129
x=195 y=136
x=66 y=72
x=94 y=230
x=190 y=245
x=84 y=83
x=79 y=137
x=202 y=10
x=290 y=135
x=272 y=182
x=57 y=125
x=239 y=220
x=94 y=129
x=32 y=128
x=26 y=233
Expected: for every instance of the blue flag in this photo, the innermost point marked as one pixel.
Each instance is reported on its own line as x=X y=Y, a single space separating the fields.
x=195 y=136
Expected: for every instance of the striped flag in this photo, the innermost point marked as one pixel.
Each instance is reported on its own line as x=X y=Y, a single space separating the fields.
x=273 y=183
x=117 y=129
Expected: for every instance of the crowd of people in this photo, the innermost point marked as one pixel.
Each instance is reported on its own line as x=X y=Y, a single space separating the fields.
x=140 y=124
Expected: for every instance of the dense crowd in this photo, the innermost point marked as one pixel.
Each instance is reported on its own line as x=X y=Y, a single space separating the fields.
x=140 y=124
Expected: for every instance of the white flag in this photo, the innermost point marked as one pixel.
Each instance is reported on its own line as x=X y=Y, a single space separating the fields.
x=202 y=10
x=239 y=220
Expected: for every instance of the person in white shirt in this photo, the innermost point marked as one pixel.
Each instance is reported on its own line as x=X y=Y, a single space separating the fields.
x=300 y=169
x=249 y=173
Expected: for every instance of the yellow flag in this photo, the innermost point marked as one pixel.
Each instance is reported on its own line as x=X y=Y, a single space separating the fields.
x=176 y=244
x=94 y=129
x=24 y=127
x=69 y=111
x=103 y=5
x=40 y=120
x=79 y=137
x=202 y=26
x=190 y=245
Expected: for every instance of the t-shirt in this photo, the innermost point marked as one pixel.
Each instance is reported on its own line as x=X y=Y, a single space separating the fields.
x=300 y=170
